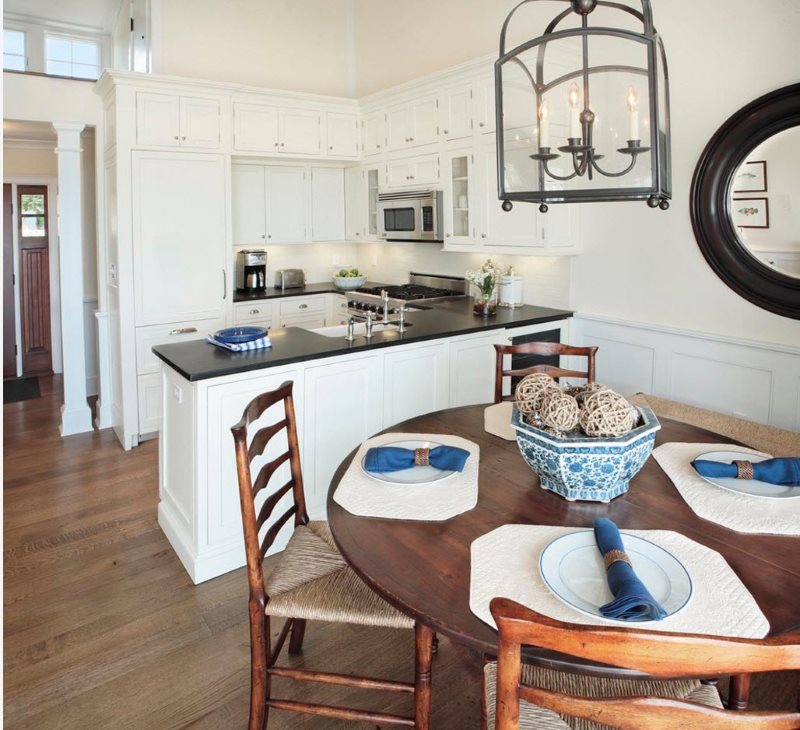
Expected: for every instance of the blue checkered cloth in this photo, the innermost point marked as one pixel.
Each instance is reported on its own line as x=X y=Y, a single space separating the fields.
x=259 y=344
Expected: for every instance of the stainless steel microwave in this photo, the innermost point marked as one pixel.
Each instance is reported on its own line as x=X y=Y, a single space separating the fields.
x=410 y=215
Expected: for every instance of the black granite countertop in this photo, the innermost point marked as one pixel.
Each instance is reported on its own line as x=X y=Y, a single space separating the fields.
x=325 y=287
x=199 y=360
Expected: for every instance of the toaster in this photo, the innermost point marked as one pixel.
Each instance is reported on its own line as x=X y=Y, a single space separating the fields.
x=290 y=278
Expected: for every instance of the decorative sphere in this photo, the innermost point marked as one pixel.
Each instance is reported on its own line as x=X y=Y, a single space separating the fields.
x=653 y=201
x=507 y=205
x=583 y=7
x=664 y=204
x=559 y=410
x=587 y=116
x=543 y=208
x=607 y=413
x=530 y=391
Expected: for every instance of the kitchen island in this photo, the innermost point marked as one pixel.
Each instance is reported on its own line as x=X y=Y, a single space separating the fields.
x=344 y=393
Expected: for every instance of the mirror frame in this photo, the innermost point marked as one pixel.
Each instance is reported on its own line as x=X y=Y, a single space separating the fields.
x=709 y=202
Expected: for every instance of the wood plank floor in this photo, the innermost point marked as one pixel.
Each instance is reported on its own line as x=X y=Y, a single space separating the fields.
x=103 y=628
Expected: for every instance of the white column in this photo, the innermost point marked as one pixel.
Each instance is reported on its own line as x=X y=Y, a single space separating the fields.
x=76 y=417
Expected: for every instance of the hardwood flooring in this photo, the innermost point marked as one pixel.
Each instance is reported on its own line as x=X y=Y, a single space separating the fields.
x=103 y=628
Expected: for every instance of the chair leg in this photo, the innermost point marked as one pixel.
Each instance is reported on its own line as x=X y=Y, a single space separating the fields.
x=435 y=645
x=259 y=677
x=298 y=632
x=739 y=692
x=423 y=657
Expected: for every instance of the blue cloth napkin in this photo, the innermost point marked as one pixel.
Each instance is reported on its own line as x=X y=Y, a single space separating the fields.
x=782 y=470
x=632 y=601
x=393 y=458
x=258 y=344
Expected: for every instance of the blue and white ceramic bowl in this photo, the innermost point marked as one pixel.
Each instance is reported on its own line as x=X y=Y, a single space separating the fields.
x=584 y=468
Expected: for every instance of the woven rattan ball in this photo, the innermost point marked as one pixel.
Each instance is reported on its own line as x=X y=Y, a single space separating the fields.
x=606 y=413
x=530 y=391
x=579 y=392
x=559 y=410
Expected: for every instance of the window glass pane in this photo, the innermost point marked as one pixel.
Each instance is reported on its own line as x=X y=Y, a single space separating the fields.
x=82 y=71
x=13 y=63
x=14 y=42
x=59 y=49
x=84 y=52
x=32 y=204
x=59 y=68
x=33 y=226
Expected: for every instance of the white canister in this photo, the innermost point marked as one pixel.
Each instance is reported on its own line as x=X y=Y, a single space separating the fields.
x=510 y=293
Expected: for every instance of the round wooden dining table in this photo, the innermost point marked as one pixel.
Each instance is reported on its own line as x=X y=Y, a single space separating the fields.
x=423 y=568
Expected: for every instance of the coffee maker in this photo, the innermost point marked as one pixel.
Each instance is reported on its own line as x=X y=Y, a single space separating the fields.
x=251 y=269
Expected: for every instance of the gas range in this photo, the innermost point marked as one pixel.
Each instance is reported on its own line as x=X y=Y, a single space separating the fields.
x=422 y=289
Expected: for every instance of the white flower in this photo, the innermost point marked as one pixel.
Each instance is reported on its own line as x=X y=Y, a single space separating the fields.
x=485 y=278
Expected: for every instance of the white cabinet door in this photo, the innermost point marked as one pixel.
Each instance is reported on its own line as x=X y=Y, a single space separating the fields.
x=157 y=120
x=300 y=131
x=472 y=366
x=374 y=133
x=456 y=121
x=399 y=126
x=200 y=122
x=560 y=228
x=342 y=134
x=414 y=382
x=460 y=204
x=286 y=204
x=517 y=227
x=248 y=205
x=400 y=173
x=179 y=236
x=344 y=394
x=355 y=196
x=327 y=203
x=426 y=170
x=426 y=121
x=149 y=394
x=484 y=105
x=255 y=128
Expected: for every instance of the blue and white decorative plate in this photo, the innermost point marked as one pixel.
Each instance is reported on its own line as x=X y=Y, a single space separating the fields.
x=239 y=335
x=572 y=568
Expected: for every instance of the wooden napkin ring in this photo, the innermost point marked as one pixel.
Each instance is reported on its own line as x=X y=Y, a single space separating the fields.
x=614 y=556
x=422 y=457
x=744 y=469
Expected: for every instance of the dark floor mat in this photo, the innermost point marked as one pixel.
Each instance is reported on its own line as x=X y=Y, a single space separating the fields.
x=20 y=389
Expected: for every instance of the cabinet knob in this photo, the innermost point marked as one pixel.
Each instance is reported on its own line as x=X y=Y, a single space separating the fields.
x=183 y=331
x=303 y=306
x=263 y=235
x=410 y=139
x=282 y=144
x=276 y=144
x=377 y=146
x=483 y=235
x=446 y=132
x=331 y=147
x=481 y=124
x=255 y=311
x=269 y=236
x=447 y=235
x=357 y=233
x=176 y=136
x=183 y=137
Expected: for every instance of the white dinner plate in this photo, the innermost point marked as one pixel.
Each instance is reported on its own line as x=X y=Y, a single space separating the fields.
x=414 y=475
x=572 y=568
x=750 y=487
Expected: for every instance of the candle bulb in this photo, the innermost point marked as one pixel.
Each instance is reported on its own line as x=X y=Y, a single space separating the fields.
x=574 y=112
x=632 y=100
x=544 y=124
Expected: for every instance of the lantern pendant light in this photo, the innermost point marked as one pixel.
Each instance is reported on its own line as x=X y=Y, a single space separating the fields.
x=583 y=110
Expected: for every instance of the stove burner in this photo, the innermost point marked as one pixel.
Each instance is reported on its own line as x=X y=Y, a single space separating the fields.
x=409 y=291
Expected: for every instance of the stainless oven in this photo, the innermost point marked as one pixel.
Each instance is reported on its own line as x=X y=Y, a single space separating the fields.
x=410 y=215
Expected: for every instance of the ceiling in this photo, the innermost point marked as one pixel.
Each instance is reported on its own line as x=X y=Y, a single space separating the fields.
x=29 y=131
x=95 y=15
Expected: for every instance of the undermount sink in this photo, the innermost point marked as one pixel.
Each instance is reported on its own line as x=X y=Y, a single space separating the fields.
x=360 y=328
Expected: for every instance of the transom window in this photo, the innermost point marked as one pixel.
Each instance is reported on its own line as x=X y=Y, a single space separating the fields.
x=32 y=215
x=75 y=57
x=14 y=50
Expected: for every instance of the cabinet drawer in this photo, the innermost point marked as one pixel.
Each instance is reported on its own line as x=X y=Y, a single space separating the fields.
x=252 y=311
x=149 y=391
x=162 y=334
x=302 y=305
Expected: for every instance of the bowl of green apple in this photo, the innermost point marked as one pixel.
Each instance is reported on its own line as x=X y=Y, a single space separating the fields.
x=348 y=279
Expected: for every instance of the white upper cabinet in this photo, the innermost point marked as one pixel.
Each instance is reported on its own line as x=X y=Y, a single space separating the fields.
x=456 y=108
x=374 y=133
x=459 y=197
x=179 y=236
x=255 y=128
x=327 y=204
x=300 y=131
x=248 y=205
x=484 y=105
x=413 y=171
x=167 y=120
x=342 y=133
x=286 y=204
x=414 y=123
x=355 y=204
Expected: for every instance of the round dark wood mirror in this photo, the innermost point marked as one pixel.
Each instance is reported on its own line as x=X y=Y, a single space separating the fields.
x=745 y=202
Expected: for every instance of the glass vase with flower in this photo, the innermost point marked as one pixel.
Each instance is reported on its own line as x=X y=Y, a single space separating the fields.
x=485 y=280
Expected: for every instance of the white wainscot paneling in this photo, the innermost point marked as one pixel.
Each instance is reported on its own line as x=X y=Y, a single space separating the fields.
x=752 y=380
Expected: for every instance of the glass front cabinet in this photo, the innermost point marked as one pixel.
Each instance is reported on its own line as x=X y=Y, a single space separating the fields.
x=459 y=203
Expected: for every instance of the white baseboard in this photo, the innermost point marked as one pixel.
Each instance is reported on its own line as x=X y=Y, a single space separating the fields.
x=752 y=380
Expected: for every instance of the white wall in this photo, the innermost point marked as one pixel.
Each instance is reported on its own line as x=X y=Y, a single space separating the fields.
x=34 y=160
x=299 y=45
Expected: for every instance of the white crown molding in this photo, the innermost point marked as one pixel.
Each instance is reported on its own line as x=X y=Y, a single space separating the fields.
x=29 y=144
x=10 y=19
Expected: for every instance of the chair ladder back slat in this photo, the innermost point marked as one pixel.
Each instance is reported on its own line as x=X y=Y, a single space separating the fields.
x=267 y=470
x=275 y=528
x=264 y=436
x=270 y=502
x=301 y=518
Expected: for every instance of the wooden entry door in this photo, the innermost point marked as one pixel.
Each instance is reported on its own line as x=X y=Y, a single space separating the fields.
x=34 y=275
x=9 y=313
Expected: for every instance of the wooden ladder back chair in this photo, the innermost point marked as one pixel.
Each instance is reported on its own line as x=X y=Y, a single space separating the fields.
x=310 y=581
x=545 y=349
x=660 y=655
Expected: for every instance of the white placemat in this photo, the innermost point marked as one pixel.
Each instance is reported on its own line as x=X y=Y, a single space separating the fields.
x=739 y=512
x=497 y=420
x=505 y=562
x=362 y=495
